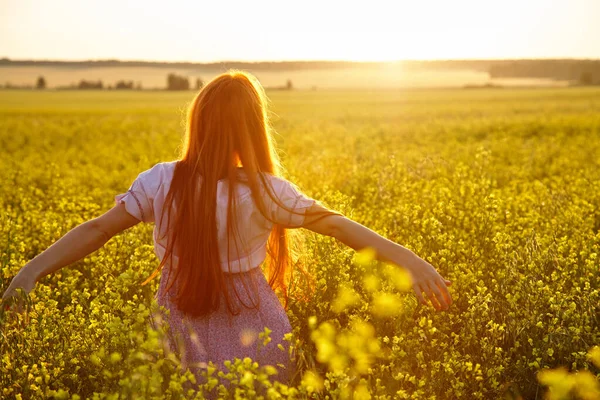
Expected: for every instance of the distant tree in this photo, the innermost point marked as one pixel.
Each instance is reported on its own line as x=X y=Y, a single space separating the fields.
x=124 y=85
x=176 y=82
x=586 y=78
x=289 y=85
x=138 y=86
x=83 y=84
x=41 y=83
x=199 y=83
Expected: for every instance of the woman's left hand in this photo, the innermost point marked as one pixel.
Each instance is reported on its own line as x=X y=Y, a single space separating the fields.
x=26 y=280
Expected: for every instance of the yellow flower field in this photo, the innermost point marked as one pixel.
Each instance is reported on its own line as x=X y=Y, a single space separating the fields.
x=498 y=189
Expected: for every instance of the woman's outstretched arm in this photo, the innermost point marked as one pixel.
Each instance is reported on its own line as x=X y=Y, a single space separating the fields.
x=424 y=276
x=75 y=245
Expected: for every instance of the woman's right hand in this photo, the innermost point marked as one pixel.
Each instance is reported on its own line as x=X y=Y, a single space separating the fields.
x=425 y=279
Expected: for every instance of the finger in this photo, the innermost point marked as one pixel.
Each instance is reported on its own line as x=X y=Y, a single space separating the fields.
x=22 y=307
x=441 y=285
x=445 y=292
x=15 y=306
x=447 y=282
x=7 y=294
x=430 y=295
x=438 y=295
x=418 y=294
x=435 y=302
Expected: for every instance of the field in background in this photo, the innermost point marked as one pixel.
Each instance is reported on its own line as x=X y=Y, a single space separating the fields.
x=371 y=77
x=498 y=189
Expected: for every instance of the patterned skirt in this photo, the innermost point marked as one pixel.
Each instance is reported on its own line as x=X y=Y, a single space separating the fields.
x=221 y=336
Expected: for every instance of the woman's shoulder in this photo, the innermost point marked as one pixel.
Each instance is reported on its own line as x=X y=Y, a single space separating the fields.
x=166 y=165
x=278 y=183
x=157 y=175
x=163 y=168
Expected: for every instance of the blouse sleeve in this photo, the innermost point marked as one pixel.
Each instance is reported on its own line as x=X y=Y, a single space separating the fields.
x=294 y=203
x=139 y=198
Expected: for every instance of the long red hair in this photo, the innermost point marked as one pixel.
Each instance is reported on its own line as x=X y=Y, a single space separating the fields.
x=227 y=128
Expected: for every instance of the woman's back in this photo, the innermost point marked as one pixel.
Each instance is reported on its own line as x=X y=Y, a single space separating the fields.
x=221 y=336
x=243 y=248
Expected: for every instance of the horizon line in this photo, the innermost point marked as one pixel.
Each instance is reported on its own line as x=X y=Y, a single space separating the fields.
x=225 y=61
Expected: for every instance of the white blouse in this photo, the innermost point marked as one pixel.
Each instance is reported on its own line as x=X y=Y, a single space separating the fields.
x=146 y=196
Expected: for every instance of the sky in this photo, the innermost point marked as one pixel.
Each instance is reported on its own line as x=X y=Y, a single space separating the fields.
x=262 y=30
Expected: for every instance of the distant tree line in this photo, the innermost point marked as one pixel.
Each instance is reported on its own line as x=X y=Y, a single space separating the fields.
x=255 y=66
x=128 y=85
x=83 y=84
x=580 y=70
x=174 y=82
x=492 y=66
x=40 y=83
x=585 y=72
